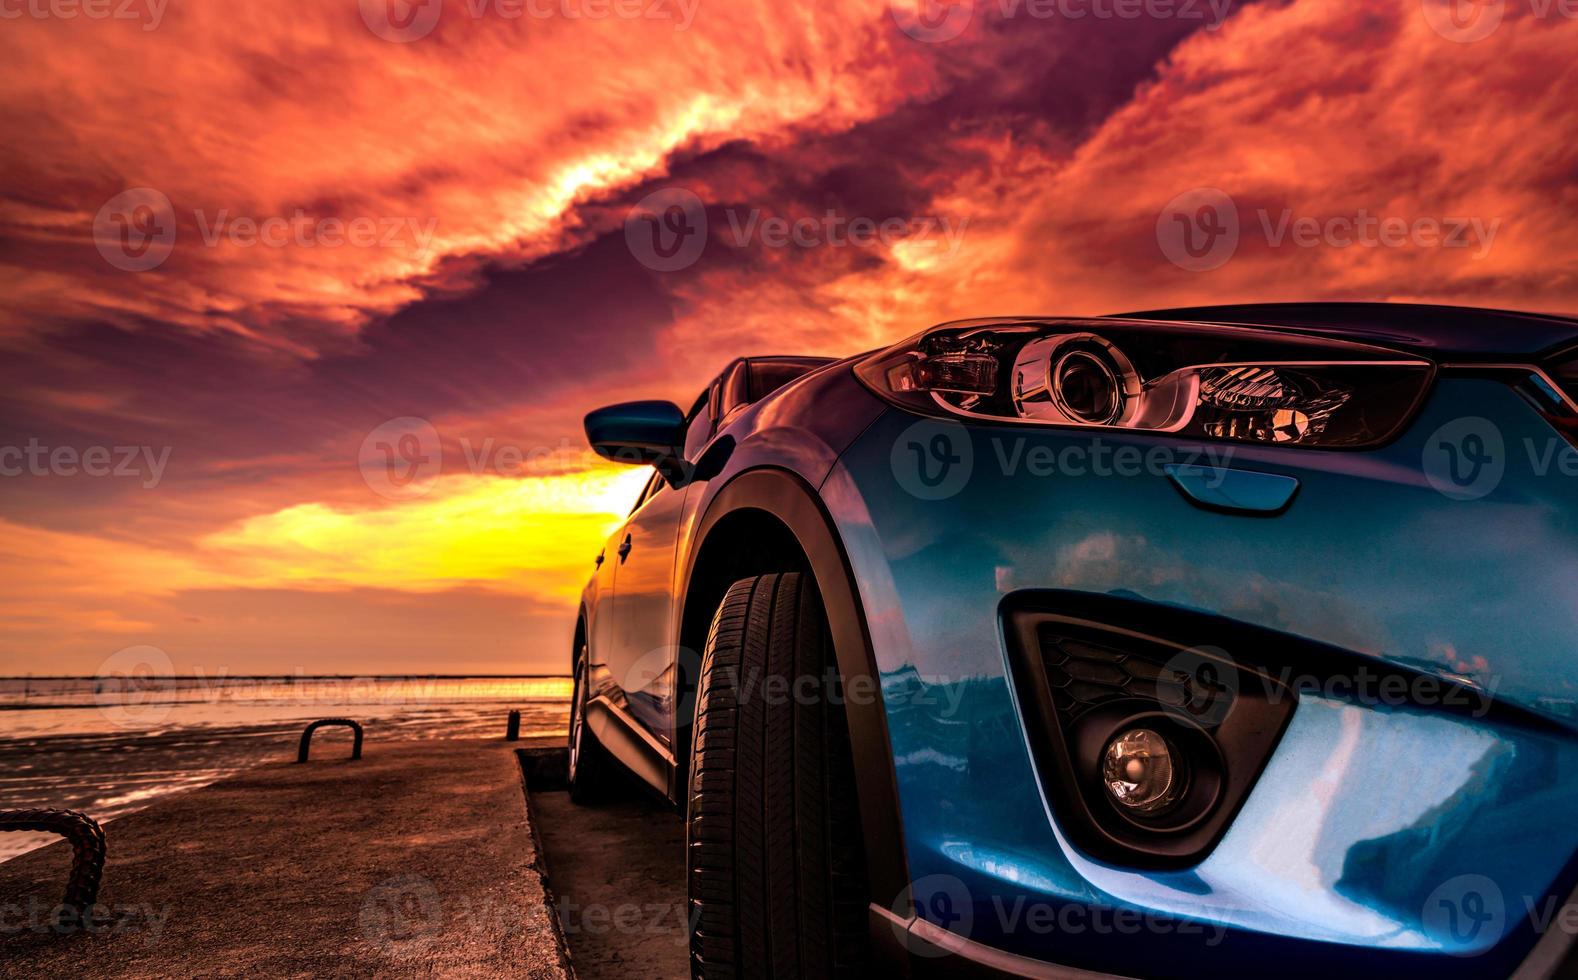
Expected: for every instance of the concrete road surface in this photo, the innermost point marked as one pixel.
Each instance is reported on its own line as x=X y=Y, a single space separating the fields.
x=416 y=860
x=617 y=873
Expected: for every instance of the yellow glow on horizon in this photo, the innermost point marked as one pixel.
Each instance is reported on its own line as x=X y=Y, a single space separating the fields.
x=535 y=535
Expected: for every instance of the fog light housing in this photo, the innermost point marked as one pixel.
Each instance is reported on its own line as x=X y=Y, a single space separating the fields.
x=1142 y=771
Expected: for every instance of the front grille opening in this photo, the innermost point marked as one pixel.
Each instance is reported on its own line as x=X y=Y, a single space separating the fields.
x=1083 y=675
x=1088 y=668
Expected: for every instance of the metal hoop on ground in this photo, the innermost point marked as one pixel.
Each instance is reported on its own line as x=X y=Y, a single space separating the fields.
x=87 y=850
x=306 y=736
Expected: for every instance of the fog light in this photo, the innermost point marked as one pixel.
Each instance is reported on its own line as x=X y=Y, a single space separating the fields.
x=1139 y=770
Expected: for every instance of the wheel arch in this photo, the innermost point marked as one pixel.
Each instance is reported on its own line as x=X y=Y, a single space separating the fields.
x=771 y=520
x=579 y=639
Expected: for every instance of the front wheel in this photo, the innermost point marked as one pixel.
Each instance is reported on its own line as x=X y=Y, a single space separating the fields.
x=776 y=868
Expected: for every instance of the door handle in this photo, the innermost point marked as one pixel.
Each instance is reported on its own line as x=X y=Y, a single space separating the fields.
x=624 y=549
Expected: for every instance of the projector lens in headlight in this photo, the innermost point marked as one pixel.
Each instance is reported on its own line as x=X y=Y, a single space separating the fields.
x=1087 y=388
x=1077 y=378
x=1235 y=383
x=1141 y=772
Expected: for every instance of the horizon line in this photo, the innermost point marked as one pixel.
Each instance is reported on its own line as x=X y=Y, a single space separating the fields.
x=266 y=677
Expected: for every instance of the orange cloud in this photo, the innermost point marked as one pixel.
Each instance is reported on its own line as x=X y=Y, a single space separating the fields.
x=272 y=134
x=1327 y=111
x=500 y=156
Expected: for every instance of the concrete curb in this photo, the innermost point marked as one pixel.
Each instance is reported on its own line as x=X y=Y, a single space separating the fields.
x=545 y=769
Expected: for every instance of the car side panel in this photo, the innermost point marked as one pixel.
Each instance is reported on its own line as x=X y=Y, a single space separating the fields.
x=597 y=611
x=638 y=659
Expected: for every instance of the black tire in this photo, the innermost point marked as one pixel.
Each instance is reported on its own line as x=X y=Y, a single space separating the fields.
x=775 y=863
x=593 y=773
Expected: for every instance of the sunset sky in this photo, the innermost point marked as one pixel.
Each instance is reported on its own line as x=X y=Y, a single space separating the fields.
x=385 y=212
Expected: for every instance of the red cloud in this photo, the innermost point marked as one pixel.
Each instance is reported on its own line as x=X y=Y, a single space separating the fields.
x=1026 y=165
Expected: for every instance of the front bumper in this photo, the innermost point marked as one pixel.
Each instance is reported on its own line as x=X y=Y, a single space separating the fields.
x=1381 y=835
x=930 y=952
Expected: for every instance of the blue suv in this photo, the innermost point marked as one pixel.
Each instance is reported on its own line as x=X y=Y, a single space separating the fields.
x=1193 y=643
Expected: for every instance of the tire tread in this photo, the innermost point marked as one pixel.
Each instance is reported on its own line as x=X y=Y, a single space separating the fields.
x=776 y=869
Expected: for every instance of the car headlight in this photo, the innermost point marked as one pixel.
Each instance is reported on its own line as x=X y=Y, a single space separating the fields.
x=1234 y=383
x=1553 y=391
x=1567 y=376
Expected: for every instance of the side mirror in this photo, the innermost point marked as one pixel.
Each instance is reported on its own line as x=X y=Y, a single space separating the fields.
x=641 y=433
